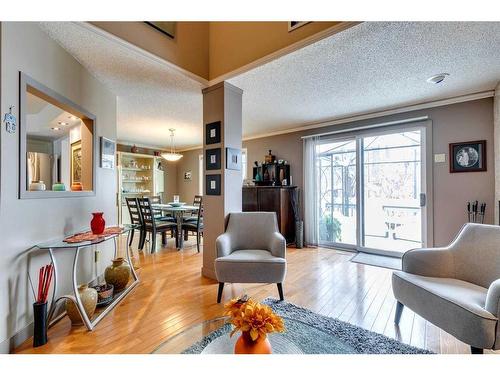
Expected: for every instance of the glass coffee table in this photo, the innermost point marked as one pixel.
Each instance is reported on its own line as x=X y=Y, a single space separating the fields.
x=212 y=337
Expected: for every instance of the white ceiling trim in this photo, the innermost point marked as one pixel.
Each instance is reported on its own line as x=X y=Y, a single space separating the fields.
x=140 y=51
x=370 y=115
x=367 y=116
x=284 y=51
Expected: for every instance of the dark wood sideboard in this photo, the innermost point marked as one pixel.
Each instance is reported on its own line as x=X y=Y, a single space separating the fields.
x=273 y=199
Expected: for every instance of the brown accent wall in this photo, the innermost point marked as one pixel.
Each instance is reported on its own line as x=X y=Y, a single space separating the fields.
x=467 y=121
x=235 y=44
x=211 y=49
x=187 y=189
x=188 y=50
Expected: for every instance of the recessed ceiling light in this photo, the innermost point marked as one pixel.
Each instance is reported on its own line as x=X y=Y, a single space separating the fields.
x=55 y=128
x=62 y=123
x=438 y=78
x=72 y=117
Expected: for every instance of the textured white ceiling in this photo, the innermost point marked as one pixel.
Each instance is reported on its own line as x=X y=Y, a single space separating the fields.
x=151 y=97
x=369 y=67
x=372 y=66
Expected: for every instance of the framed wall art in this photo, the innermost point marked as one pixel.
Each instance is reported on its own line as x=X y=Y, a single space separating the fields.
x=212 y=133
x=108 y=152
x=212 y=159
x=212 y=184
x=468 y=156
x=76 y=162
x=233 y=158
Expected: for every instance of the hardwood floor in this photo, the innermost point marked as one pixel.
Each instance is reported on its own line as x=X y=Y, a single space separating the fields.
x=173 y=295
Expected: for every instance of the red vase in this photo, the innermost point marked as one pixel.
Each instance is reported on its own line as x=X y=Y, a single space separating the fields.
x=97 y=224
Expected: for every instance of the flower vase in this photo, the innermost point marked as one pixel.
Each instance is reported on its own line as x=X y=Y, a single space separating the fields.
x=245 y=345
x=118 y=274
x=97 y=223
x=88 y=296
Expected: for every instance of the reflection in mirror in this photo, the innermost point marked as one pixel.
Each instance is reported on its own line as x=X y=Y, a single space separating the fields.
x=59 y=144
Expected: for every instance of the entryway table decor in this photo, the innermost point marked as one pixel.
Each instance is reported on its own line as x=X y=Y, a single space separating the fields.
x=97 y=224
x=118 y=274
x=88 y=296
x=78 y=242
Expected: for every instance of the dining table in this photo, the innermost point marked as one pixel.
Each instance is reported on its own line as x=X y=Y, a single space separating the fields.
x=178 y=213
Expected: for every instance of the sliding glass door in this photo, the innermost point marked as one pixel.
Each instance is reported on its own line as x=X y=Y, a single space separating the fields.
x=371 y=191
x=337 y=192
x=392 y=188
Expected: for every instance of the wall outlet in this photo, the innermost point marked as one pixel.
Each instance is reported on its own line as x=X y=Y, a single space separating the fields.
x=439 y=158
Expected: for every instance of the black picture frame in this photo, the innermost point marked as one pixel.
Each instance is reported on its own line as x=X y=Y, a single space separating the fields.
x=468 y=156
x=212 y=133
x=212 y=184
x=233 y=159
x=212 y=159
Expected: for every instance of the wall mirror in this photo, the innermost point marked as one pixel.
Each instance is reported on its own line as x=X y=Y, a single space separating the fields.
x=57 y=144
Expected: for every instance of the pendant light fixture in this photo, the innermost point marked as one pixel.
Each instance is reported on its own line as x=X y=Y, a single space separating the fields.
x=172 y=155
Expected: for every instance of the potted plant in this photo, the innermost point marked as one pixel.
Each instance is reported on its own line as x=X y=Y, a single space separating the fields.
x=330 y=229
x=255 y=321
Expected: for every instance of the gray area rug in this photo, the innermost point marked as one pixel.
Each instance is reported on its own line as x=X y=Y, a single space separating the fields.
x=378 y=261
x=335 y=336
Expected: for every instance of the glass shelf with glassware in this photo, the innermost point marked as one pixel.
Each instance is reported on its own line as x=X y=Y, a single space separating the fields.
x=138 y=175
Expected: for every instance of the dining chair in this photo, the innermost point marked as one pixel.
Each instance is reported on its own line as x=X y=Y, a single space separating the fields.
x=195 y=226
x=159 y=216
x=197 y=202
x=156 y=199
x=135 y=216
x=152 y=224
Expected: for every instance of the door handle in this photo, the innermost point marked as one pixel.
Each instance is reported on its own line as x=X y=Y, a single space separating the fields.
x=423 y=199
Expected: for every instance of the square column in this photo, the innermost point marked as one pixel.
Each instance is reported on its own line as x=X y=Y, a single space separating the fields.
x=222 y=128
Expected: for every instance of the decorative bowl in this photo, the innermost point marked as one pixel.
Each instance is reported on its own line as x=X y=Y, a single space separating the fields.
x=176 y=204
x=104 y=294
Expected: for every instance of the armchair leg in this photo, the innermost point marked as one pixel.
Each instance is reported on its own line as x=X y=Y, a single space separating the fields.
x=280 y=291
x=219 y=293
x=399 y=311
x=475 y=350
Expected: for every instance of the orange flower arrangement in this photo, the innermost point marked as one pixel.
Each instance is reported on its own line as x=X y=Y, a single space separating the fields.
x=253 y=317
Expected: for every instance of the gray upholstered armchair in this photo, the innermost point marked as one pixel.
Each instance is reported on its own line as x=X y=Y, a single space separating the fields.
x=457 y=287
x=252 y=250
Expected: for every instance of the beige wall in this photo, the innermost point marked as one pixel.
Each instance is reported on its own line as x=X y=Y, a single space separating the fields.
x=467 y=121
x=188 y=50
x=453 y=123
x=235 y=44
x=187 y=189
x=24 y=47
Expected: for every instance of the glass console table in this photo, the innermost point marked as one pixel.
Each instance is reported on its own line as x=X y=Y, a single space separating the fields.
x=52 y=247
x=212 y=337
